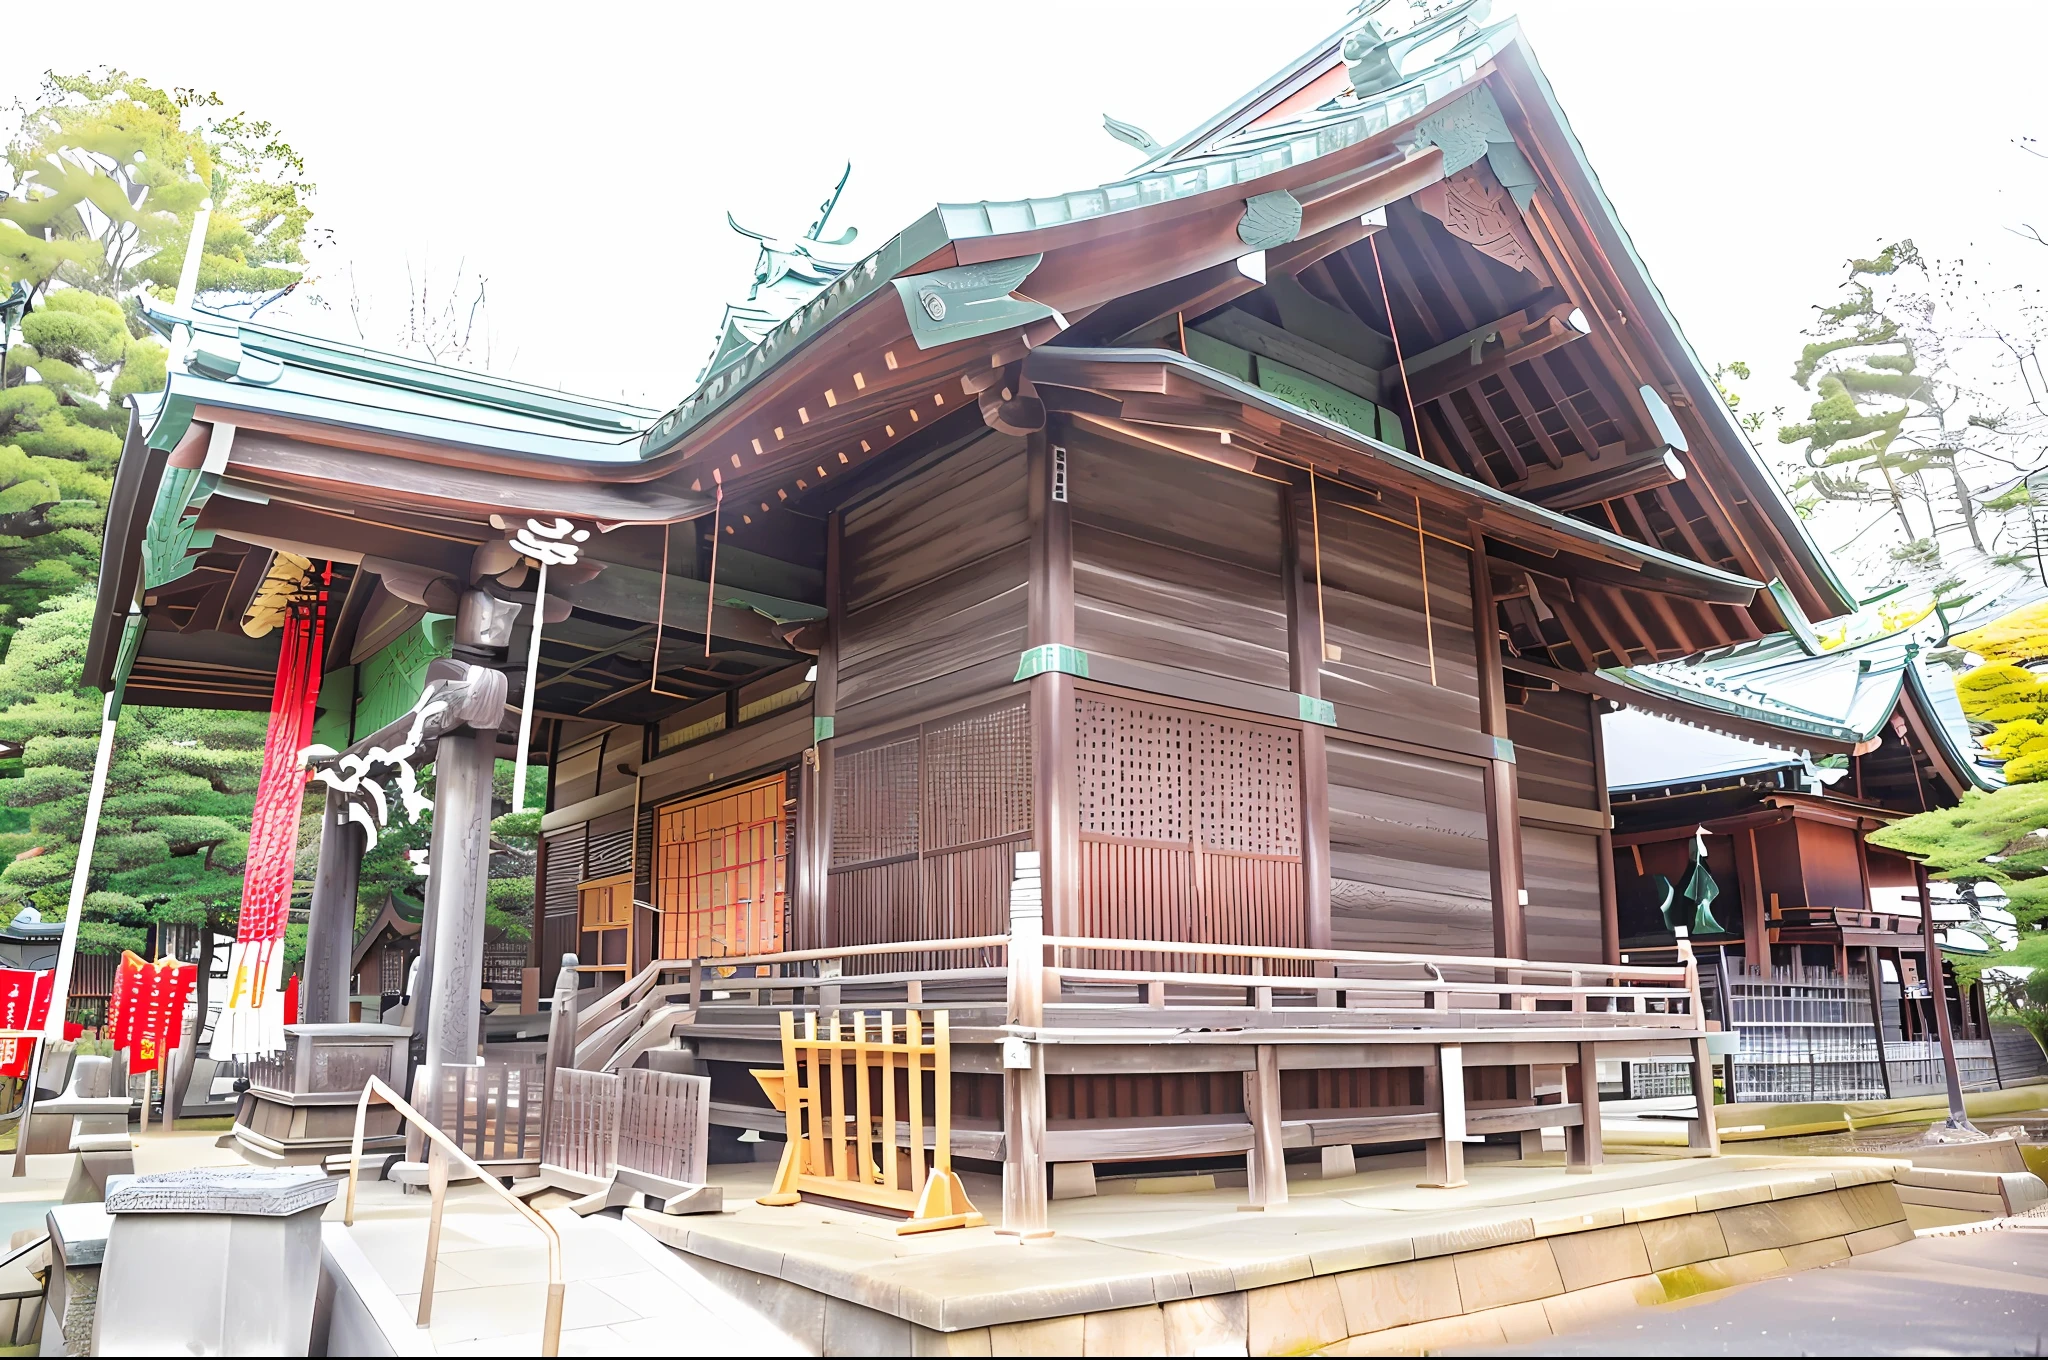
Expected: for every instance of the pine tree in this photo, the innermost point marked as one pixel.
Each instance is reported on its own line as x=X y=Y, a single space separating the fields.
x=104 y=179
x=1881 y=420
x=174 y=830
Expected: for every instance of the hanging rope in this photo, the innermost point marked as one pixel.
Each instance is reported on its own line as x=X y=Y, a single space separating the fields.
x=1415 y=432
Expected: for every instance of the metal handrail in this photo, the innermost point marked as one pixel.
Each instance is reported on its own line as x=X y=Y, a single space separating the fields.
x=443 y=1148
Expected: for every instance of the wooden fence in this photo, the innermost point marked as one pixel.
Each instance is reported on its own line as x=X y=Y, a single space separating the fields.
x=493 y=1111
x=840 y=1094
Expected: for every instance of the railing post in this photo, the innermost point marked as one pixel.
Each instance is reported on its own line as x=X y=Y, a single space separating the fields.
x=1446 y=1155
x=1266 y=1164
x=1582 y=1145
x=1024 y=1188
x=832 y=970
x=561 y=1051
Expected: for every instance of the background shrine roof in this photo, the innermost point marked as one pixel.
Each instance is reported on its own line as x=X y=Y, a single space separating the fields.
x=243 y=366
x=1800 y=685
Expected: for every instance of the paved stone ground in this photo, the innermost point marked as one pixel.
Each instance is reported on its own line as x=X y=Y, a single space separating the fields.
x=1969 y=1293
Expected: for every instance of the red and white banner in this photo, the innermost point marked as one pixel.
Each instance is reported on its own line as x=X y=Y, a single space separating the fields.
x=24 y=1005
x=252 y=1020
x=146 y=1015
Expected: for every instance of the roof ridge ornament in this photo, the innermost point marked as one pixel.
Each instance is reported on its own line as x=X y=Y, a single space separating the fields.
x=1130 y=134
x=1374 y=51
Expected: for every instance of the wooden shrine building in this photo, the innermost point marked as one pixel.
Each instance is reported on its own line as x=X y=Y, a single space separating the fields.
x=1240 y=537
x=1858 y=730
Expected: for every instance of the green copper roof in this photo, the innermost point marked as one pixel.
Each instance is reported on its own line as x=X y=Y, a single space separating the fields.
x=1846 y=694
x=1252 y=158
x=244 y=366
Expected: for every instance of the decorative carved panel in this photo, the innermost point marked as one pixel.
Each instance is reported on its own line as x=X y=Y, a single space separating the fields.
x=1475 y=209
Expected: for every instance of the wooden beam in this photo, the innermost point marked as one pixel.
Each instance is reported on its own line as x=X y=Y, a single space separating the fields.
x=1519 y=344
x=1605 y=481
x=1756 y=933
x=1055 y=811
x=1503 y=811
x=1305 y=673
x=1610 y=908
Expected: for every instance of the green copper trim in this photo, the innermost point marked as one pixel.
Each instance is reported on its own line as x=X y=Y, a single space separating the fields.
x=1053 y=656
x=171 y=543
x=1319 y=711
x=1503 y=749
x=821 y=728
x=124 y=662
x=1788 y=607
x=968 y=300
x=1270 y=219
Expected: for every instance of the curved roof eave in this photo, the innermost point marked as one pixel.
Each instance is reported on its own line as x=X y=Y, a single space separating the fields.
x=1550 y=521
x=965 y=229
x=1518 y=59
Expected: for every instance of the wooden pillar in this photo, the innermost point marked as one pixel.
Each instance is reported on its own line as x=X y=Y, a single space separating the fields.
x=1704 y=1135
x=1445 y=1164
x=1503 y=801
x=816 y=930
x=1884 y=1071
x=1582 y=1147
x=1756 y=933
x=458 y=865
x=1054 y=809
x=1610 y=907
x=1266 y=1163
x=1937 y=990
x=331 y=918
x=1024 y=1188
x=561 y=1044
x=1305 y=673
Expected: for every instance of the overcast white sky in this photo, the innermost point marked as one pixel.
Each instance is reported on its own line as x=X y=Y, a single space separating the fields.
x=583 y=156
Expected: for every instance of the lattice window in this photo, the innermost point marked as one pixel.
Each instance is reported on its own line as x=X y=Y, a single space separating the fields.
x=977 y=776
x=1135 y=768
x=1249 y=788
x=875 y=802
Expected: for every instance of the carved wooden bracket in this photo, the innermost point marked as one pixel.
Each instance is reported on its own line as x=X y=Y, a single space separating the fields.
x=1475 y=209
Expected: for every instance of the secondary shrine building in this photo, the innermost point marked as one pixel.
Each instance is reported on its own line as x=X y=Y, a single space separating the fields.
x=1241 y=536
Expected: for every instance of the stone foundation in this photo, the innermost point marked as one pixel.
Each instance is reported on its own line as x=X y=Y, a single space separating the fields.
x=1491 y=1283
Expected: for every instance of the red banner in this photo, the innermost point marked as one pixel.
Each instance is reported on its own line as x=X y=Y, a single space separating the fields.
x=24 y=1005
x=146 y=1015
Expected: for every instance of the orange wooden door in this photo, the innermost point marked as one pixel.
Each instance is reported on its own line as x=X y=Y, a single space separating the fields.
x=604 y=909
x=719 y=865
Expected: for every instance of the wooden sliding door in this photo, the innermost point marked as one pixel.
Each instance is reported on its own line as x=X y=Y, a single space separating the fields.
x=720 y=865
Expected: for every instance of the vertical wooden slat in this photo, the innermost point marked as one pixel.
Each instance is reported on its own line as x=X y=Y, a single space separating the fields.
x=863 y=1125
x=913 y=1034
x=890 y=1179
x=942 y=1093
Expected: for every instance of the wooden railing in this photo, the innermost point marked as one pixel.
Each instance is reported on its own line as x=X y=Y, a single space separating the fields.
x=1340 y=979
x=440 y=1149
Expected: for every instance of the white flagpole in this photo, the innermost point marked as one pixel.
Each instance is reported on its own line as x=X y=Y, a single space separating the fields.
x=540 y=596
